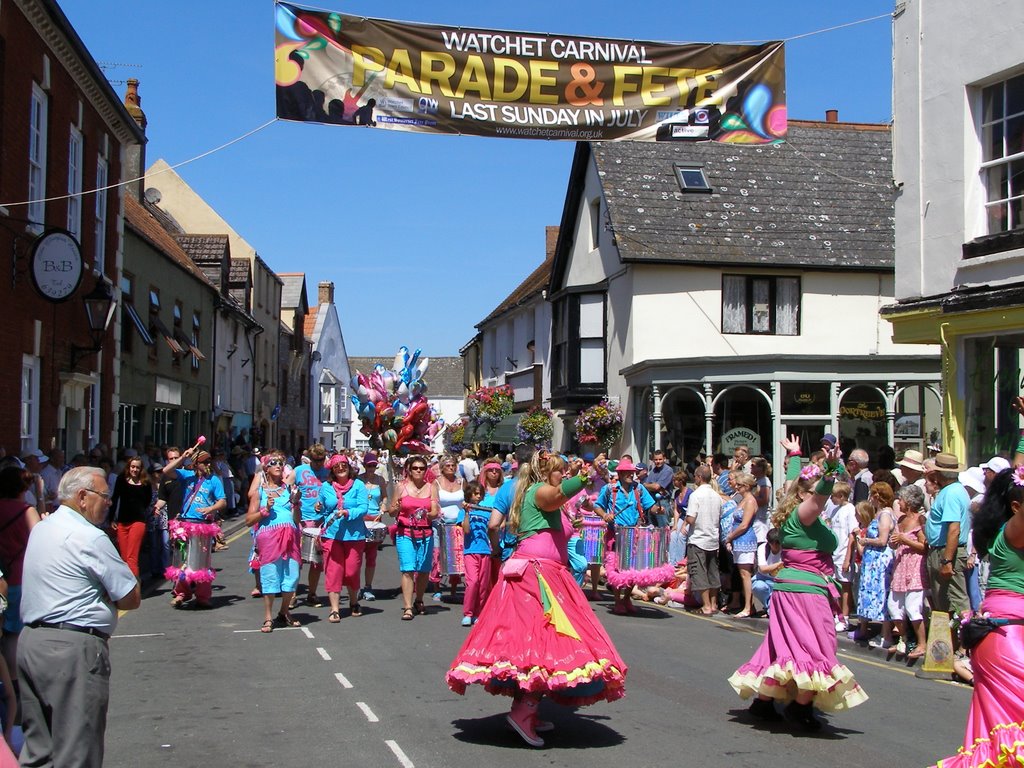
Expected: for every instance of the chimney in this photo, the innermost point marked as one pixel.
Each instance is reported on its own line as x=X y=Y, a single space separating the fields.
x=135 y=154
x=831 y=115
x=326 y=292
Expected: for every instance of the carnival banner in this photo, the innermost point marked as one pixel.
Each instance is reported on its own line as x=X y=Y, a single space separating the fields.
x=351 y=70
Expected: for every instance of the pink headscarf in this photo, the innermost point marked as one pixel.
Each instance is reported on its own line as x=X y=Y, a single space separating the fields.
x=340 y=488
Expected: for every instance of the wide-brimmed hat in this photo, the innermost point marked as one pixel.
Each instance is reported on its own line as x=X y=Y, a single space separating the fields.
x=829 y=438
x=997 y=464
x=912 y=460
x=625 y=465
x=947 y=462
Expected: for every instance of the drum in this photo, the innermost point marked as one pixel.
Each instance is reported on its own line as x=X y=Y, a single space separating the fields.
x=592 y=534
x=641 y=548
x=198 y=552
x=451 y=542
x=311 y=549
x=376 y=532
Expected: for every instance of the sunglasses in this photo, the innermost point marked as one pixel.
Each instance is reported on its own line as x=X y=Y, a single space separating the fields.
x=417 y=468
x=273 y=463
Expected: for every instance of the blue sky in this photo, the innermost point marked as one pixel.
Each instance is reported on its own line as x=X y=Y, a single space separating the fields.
x=422 y=235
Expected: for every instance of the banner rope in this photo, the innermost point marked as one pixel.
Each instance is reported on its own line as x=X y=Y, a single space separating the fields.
x=207 y=153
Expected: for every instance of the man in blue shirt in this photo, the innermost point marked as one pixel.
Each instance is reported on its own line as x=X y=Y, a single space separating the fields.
x=308 y=479
x=659 y=483
x=623 y=503
x=946 y=528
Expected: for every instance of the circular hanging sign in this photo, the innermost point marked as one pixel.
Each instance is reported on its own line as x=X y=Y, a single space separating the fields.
x=56 y=265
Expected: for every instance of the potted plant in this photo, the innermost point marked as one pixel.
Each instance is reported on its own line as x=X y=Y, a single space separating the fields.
x=455 y=436
x=536 y=427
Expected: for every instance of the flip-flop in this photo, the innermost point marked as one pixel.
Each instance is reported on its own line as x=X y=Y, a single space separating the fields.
x=286 y=621
x=334 y=617
x=407 y=614
x=268 y=626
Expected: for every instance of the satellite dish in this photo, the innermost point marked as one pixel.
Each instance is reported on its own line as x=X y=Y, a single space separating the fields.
x=153 y=195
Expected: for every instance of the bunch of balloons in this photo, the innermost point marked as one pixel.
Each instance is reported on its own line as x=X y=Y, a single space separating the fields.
x=393 y=407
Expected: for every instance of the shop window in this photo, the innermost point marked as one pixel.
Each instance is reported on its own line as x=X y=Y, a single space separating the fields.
x=994 y=371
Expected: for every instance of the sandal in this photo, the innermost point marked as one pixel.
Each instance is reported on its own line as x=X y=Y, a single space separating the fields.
x=285 y=620
x=407 y=614
x=268 y=626
x=312 y=601
x=334 y=617
x=356 y=610
x=255 y=593
x=420 y=609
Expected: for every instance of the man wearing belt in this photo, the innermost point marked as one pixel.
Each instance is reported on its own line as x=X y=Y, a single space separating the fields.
x=74 y=584
x=946 y=528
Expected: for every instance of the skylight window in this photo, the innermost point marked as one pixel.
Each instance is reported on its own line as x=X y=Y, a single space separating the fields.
x=691 y=178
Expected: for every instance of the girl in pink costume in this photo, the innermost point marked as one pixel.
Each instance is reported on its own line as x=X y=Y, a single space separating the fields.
x=995 y=723
x=537 y=635
x=797 y=661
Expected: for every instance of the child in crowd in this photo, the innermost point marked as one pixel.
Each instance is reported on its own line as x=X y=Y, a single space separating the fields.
x=909 y=574
x=769 y=562
x=480 y=569
x=841 y=517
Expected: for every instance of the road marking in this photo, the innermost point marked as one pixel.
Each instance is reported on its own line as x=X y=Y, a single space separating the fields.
x=235 y=537
x=405 y=761
x=307 y=632
x=343 y=680
x=323 y=654
x=368 y=712
x=152 y=634
x=276 y=629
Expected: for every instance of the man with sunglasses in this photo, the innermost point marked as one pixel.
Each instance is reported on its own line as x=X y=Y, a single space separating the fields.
x=203 y=498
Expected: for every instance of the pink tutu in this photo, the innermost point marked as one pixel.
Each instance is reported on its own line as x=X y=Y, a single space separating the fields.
x=995 y=723
x=799 y=654
x=538 y=634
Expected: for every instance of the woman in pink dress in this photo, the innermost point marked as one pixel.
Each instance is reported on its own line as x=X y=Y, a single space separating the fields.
x=797 y=661
x=537 y=635
x=995 y=723
x=909 y=574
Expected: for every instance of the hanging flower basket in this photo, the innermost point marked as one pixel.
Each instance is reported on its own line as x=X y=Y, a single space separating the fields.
x=455 y=436
x=537 y=426
x=599 y=424
x=488 y=406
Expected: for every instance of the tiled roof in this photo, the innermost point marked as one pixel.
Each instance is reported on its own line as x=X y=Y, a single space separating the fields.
x=824 y=199
x=142 y=221
x=534 y=283
x=241 y=272
x=205 y=248
x=310 y=323
x=443 y=377
x=293 y=291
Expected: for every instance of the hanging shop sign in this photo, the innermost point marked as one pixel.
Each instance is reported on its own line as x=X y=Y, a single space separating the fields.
x=56 y=265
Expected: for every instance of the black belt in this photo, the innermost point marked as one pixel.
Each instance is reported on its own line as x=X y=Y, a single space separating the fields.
x=71 y=628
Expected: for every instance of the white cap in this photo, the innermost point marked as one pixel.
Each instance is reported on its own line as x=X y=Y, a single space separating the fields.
x=997 y=464
x=43 y=458
x=973 y=478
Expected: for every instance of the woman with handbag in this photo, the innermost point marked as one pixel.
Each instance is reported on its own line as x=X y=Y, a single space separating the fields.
x=995 y=723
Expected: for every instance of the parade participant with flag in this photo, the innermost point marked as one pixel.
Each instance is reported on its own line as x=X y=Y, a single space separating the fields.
x=537 y=635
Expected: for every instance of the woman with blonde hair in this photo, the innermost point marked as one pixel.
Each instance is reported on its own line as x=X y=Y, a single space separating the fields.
x=797 y=661
x=742 y=539
x=537 y=635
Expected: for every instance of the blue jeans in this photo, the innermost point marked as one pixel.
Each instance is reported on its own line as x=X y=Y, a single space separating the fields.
x=159 y=552
x=973 y=587
x=762 y=591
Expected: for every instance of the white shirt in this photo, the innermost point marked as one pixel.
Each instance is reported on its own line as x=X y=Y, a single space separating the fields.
x=843 y=521
x=765 y=558
x=470 y=469
x=73 y=574
x=705 y=507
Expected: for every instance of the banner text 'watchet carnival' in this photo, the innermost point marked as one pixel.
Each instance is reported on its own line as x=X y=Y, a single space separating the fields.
x=350 y=70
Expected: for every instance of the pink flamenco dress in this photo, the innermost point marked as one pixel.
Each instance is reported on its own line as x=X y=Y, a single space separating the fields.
x=995 y=724
x=799 y=651
x=537 y=634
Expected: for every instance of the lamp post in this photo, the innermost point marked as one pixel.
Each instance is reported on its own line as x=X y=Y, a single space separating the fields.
x=99 y=309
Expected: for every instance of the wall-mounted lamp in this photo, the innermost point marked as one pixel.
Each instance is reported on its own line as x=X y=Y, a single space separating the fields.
x=99 y=310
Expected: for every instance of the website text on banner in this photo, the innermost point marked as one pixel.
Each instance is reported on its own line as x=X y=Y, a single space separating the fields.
x=349 y=70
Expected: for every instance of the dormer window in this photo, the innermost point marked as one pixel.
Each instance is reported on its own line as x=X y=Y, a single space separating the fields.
x=691 y=178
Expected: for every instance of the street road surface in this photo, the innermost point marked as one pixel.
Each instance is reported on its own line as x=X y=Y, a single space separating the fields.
x=208 y=689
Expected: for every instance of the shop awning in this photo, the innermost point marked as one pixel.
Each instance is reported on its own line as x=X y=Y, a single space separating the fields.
x=166 y=333
x=505 y=432
x=186 y=343
x=134 y=319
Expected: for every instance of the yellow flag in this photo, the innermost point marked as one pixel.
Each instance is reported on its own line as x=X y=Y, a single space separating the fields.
x=554 y=613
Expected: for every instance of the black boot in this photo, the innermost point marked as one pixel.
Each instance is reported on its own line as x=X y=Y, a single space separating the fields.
x=764 y=709
x=802 y=716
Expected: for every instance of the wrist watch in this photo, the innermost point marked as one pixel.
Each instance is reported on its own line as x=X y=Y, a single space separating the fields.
x=944 y=561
